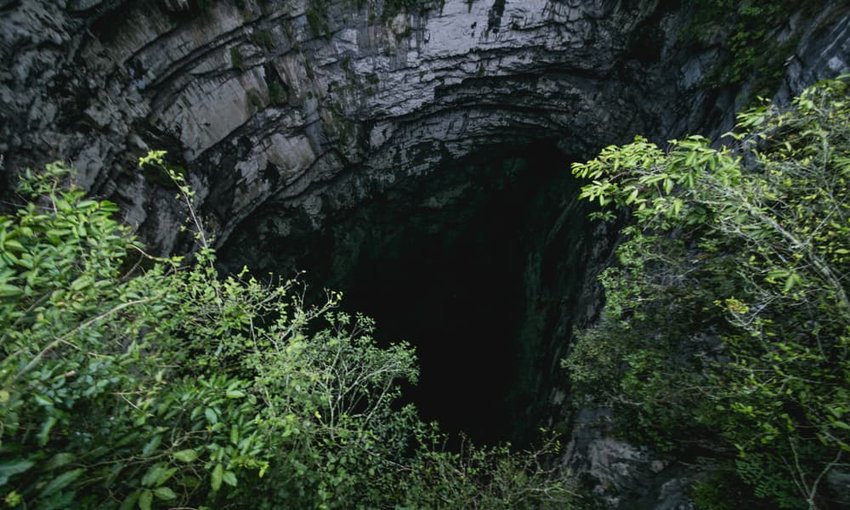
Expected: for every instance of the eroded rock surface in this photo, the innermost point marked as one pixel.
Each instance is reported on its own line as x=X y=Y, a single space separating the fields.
x=314 y=105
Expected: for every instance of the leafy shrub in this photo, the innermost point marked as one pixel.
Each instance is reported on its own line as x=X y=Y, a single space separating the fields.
x=728 y=309
x=128 y=381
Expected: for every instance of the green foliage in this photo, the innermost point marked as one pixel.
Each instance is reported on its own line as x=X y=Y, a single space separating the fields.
x=393 y=7
x=748 y=34
x=255 y=100
x=277 y=94
x=722 y=489
x=728 y=324
x=236 y=58
x=128 y=381
x=263 y=39
x=317 y=19
x=485 y=479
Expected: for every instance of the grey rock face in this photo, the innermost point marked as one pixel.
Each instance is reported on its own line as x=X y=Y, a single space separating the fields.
x=262 y=110
x=287 y=112
x=623 y=475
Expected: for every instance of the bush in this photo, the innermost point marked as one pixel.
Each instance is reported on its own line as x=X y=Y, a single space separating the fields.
x=729 y=303
x=130 y=381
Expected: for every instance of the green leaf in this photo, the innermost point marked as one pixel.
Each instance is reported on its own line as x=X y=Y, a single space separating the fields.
x=10 y=469
x=145 y=499
x=60 y=482
x=81 y=283
x=841 y=425
x=212 y=417
x=44 y=433
x=790 y=282
x=7 y=290
x=11 y=244
x=130 y=501
x=229 y=478
x=113 y=474
x=59 y=460
x=165 y=476
x=187 y=455
x=151 y=445
x=164 y=493
x=63 y=205
x=235 y=394
x=156 y=475
x=217 y=474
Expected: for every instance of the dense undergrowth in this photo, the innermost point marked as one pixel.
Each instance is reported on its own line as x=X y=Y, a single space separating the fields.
x=726 y=334
x=128 y=381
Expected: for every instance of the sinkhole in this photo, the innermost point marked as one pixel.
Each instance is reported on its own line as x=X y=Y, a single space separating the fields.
x=484 y=264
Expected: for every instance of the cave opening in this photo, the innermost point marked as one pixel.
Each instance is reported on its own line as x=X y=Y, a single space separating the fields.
x=480 y=265
x=451 y=282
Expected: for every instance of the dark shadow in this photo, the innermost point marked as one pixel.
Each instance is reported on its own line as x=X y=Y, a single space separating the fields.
x=455 y=263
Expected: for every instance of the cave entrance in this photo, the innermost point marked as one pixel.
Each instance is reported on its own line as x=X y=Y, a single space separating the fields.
x=450 y=280
x=481 y=265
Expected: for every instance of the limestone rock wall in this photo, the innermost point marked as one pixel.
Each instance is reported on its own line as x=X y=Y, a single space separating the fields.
x=313 y=104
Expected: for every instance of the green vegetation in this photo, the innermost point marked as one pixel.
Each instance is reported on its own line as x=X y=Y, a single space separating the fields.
x=255 y=100
x=748 y=36
x=727 y=325
x=262 y=39
x=393 y=7
x=128 y=381
x=236 y=58
x=277 y=94
x=317 y=19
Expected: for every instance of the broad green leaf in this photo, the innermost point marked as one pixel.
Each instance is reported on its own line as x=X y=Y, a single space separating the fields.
x=146 y=499
x=153 y=475
x=11 y=244
x=130 y=501
x=59 y=460
x=187 y=455
x=151 y=445
x=841 y=425
x=217 y=474
x=61 y=481
x=229 y=478
x=81 y=282
x=790 y=282
x=8 y=290
x=12 y=468
x=164 y=493
x=46 y=427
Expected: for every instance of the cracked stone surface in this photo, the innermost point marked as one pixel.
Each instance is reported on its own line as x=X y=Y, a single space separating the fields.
x=265 y=113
